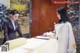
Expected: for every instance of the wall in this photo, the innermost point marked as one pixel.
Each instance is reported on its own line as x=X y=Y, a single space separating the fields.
x=43 y=16
x=5 y=2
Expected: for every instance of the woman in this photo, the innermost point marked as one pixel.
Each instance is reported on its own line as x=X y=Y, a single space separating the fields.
x=64 y=33
x=11 y=26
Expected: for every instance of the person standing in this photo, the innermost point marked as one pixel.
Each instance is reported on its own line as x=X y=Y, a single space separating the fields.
x=64 y=33
x=11 y=26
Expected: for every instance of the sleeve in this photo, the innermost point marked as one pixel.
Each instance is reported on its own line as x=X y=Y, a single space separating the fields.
x=6 y=31
x=55 y=31
x=19 y=31
x=71 y=42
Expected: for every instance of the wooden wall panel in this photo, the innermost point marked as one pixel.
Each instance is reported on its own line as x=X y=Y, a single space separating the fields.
x=35 y=17
x=43 y=16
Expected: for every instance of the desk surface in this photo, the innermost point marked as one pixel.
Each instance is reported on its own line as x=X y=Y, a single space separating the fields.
x=30 y=45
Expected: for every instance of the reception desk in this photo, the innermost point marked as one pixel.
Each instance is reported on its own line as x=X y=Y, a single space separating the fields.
x=34 y=45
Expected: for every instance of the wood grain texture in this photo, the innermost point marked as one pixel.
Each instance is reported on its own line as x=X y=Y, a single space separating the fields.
x=43 y=16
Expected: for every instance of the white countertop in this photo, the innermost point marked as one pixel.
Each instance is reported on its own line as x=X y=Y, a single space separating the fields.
x=31 y=44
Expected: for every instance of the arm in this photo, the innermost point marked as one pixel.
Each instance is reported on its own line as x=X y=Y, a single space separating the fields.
x=72 y=43
x=19 y=31
x=6 y=31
